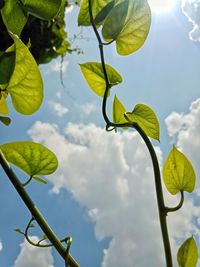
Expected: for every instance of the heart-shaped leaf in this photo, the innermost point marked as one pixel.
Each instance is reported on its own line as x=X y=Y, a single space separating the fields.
x=178 y=173
x=118 y=111
x=7 y=64
x=97 y=6
x=103 y=13
x=45 y=9
x=188 y=254
x=32 y=158
x=25 y=85
x=128 y=24
x=13 y=16
x=94 y=75
x=146 y=118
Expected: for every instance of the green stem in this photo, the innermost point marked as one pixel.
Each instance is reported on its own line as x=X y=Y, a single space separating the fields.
x=35 y=212
x=169 y=209
x=157 y=176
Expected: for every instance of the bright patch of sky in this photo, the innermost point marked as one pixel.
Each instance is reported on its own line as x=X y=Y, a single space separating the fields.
x=105 y=178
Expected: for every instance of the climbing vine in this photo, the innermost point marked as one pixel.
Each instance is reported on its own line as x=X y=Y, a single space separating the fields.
x=32 y=33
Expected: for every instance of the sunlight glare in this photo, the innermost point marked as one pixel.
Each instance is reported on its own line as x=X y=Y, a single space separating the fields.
x=160 y=6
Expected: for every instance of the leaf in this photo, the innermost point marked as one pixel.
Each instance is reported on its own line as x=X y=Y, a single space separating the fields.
x=132 y=27
x=25 y=85
x=94 y=76
x=13 y=16
x=18 y=230
x=97 y=6
x=32 y=158
x=178 y=173
x=3 y=105
x=7 y=63
x=100 y=17
x=188 y=253
x=118 y=112
x=5 y=120
x=146 y=118
x=45 y=9
x=40 y=180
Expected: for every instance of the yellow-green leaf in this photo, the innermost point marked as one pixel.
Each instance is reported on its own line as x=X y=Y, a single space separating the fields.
x=13 y=16
x=94 y=75
x=25 y=85
x=187 y=255
x=3 y=105
x=100 y=17
x=45 y=9
x=178 y=173
x=146 y=118
x=118 y=111
x=97 y=6
x=129 y=28
x=39 y=180
x=32 y=158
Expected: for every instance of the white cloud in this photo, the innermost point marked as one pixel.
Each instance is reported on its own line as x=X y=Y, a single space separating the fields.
x=111 y=175
x=58 y=109
x=88 y=108
x=31 y=256
x=1 y=246
x=57 y=66
x=191 y=9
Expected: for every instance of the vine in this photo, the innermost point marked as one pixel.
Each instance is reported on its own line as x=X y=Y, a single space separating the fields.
x=123 y=22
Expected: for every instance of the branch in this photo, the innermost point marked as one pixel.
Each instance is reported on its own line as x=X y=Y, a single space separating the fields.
x=169 y=209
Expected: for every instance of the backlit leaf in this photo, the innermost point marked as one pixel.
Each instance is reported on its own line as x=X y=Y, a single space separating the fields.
x=128 y=24
x=32 y=158
x=94 y=75
x=118 y=111
x=178 y=173
x=188 y=253
x=100 y=17
x=7 y=64
x=25 y=85
x=3 y=105
x=146 y=118
x=97 y=6
x=18 y=230
x=5 y=120
x=13 y=16
x=45 y=9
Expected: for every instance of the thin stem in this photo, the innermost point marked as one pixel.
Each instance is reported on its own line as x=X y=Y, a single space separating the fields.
x=35 y=212
x=28 y=181
x=169 y=209
x=157 y=176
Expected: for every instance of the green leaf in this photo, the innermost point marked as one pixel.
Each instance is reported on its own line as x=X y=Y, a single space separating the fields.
x=32 y=158
x=146 y=118
x=5 y=120
x=118 y=112
x=100 y=17
x=97 y=6
x=18 y=230
x=13 y=16
x=3 y=105
x=178 y=173
x=133 y=19
x=188 y=253
x=7 y=64
x=94 y=76
x=39 y=180
x=25 y=85
x=45 y=9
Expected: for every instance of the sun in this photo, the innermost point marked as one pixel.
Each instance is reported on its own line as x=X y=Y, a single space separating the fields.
x=161 y=6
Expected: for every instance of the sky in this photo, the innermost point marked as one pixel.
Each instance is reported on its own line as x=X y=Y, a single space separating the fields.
x=103 y=192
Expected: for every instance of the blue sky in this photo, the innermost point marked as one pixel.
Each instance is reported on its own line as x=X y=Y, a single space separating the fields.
x=105 y=179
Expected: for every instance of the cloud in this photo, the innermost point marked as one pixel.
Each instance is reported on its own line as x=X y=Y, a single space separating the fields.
x=87 y=108
x=57 y=66
x=1 y=246
x=191 y=9
x=58 y=109
x=111 y=175
x=31 y=256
